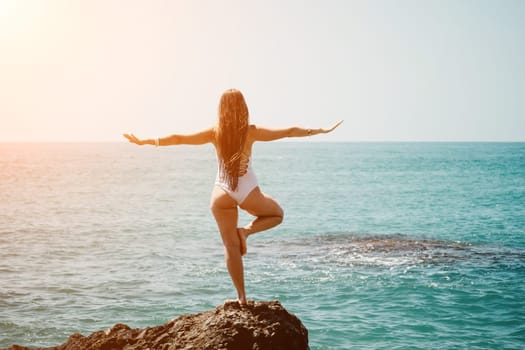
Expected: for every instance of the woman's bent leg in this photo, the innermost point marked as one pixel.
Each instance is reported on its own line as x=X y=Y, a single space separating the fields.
x=224 y=210
x=267 y=211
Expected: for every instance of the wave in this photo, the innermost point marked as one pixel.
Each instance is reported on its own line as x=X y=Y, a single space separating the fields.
x=395 y=250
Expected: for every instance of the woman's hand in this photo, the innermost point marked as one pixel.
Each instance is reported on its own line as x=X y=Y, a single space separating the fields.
x=332 y=128
x=133 y=139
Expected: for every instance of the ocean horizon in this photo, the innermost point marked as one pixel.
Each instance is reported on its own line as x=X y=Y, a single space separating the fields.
x=384 y=245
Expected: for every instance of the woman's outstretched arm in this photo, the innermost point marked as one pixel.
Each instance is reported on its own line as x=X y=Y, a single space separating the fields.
x=198 y=138
x=265 y=134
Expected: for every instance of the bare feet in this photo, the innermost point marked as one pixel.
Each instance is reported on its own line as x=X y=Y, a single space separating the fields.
x=242 y=237
x=240 y=301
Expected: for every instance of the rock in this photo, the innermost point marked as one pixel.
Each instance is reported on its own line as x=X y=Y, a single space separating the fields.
x=256 y=326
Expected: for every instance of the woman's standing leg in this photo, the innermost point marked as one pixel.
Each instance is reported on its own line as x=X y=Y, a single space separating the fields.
x=224 y=209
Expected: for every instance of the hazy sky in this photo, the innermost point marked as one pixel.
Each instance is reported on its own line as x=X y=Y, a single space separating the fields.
x=417 y=70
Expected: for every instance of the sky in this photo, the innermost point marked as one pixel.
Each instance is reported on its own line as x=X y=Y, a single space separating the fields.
x=405 y=70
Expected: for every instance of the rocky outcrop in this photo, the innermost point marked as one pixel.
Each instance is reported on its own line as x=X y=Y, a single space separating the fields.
x=256 y=326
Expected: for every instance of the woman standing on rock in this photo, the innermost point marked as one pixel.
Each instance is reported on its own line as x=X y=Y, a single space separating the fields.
x=236 y=184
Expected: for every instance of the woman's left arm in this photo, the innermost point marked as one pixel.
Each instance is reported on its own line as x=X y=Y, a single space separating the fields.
x=198 y=138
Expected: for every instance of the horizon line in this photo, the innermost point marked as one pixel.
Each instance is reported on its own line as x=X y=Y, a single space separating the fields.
x=289 y=141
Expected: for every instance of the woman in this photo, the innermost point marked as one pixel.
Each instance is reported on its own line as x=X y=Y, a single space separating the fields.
x=236 y=184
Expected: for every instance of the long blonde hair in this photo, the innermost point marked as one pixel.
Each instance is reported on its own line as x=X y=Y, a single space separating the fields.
x=231 y=132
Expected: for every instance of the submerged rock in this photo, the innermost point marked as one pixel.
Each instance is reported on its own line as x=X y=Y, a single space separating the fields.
x=256 y=326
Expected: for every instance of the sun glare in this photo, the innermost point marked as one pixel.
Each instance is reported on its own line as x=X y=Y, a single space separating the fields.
x=18 y=17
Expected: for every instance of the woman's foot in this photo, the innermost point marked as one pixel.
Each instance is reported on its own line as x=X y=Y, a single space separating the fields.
x=242 y=238
x=238 y=301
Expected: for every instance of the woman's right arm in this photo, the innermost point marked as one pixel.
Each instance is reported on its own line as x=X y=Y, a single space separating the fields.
x=266 y=134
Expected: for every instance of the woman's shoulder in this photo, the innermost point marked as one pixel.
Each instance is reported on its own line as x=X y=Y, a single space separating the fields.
x=254 y=128
x=252 y=131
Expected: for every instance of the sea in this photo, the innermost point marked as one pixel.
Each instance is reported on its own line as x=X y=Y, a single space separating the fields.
x=392 y=245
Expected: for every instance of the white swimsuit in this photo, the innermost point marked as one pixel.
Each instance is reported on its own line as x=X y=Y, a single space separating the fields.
x=246 y=183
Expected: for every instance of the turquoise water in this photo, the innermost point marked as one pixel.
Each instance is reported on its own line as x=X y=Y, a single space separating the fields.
x=383 y=246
